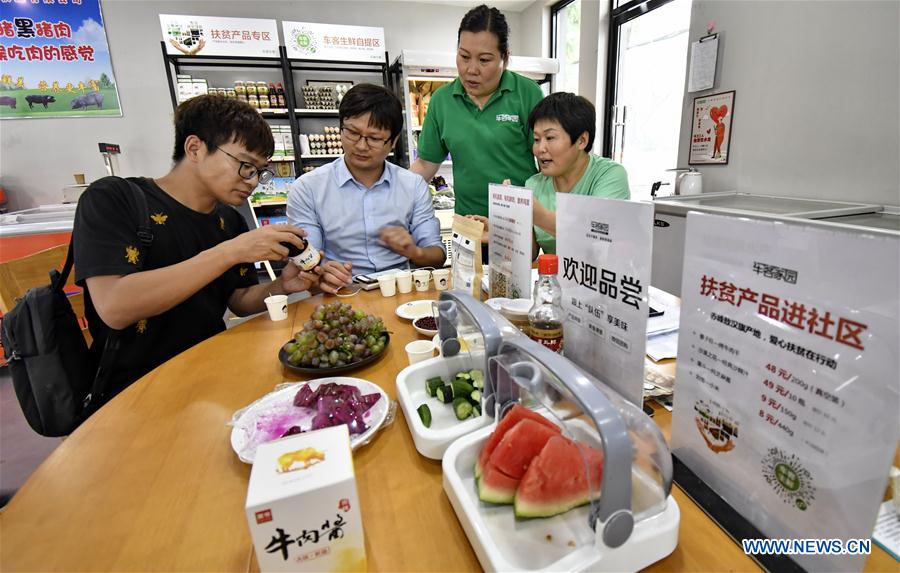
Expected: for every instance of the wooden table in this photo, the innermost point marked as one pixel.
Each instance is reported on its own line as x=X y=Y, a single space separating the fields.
x=150 y=482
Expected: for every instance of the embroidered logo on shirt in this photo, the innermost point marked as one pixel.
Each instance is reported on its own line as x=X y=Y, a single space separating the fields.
x=132 y=254
x=141 y=326
x=159 y=218
x=221 y=223
x=242 y=271
x=508 y=117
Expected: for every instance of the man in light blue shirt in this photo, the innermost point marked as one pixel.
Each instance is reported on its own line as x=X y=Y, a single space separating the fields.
x=364 y=213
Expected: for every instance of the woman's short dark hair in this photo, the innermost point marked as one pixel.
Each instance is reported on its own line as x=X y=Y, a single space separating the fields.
x=574 y=113
x=217 y=120
x=484 y=19
x=386 y=110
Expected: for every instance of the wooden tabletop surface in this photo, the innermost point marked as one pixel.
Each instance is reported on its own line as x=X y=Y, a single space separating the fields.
x=150 y=482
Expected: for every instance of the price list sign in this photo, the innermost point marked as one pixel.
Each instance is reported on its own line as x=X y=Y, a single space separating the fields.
x=786 y=401
x=604 y=248
x=510 y=213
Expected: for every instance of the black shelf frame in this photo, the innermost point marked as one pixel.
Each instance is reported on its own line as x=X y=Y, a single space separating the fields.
x=333 y=66
x=175 y=63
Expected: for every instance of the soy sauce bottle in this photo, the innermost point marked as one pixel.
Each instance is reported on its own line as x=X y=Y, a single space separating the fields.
x=279 y=91
x=545 y=319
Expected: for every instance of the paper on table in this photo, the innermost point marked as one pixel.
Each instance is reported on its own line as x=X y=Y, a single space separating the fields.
x=887 y=529
x=703 y=64
x=662 y=346
x=668 y=322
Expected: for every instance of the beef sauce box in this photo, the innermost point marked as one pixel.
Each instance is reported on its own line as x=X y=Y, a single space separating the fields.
x=302 y=506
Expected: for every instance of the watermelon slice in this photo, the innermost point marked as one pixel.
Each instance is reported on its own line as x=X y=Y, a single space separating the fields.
x=519 y=446
x=494 y=486
x=556 y=481
x=515 y=414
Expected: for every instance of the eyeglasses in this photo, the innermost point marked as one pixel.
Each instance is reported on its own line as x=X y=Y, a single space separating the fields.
x=354 y=136
x=249 y=171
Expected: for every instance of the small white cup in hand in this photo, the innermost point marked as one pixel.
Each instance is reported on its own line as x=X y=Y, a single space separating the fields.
x=421 y=278
x=404 y=281
x=387 y=284
x=277 y=305
x=419 y=350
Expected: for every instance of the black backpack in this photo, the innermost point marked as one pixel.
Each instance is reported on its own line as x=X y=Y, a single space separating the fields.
x=58 y=381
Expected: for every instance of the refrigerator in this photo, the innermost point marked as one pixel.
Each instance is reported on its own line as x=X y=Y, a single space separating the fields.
x=670 y=215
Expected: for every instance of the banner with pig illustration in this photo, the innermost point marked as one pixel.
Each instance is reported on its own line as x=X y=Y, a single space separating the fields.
x=54 y=60
x=711 y=126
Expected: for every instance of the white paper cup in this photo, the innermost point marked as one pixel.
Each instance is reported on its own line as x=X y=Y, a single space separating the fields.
x=419 y=350
x=421 y=279
x=404 y=281
x=388 y=285
x=277 y=305
x=441 y=278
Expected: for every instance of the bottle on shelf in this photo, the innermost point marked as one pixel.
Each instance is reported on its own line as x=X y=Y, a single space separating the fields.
x=273 y=95
x=279 y=91
x=545 y=319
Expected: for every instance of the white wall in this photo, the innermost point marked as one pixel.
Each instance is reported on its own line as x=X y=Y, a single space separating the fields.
x=39 y=156
x=817 y=108
x=534 y=30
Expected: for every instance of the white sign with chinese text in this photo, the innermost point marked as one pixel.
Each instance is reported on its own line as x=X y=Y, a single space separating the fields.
x=312 y=41
x=213 y=36
x=511 y=215
x=604 y=248
x=787 y=392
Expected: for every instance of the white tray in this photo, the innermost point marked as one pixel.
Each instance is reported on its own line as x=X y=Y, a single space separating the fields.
x=431 y=442
x=504 y=543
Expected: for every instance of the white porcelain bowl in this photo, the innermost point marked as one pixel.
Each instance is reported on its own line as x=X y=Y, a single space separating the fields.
x=424 y=331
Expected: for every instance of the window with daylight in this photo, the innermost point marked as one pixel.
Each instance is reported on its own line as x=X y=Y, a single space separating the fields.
x=565 y=36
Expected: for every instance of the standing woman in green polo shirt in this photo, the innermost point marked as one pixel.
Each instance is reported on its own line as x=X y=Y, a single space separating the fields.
x=481 y=117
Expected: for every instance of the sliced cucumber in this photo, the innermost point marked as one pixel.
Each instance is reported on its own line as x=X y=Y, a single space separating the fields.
x=461 y=388
x=476 y=411
x=444 y=394
x=424 y=415
x=463 y=376
x=462 y=408
x=432 y=384
x=476 y=375
x=475 y=396
x=478 y=384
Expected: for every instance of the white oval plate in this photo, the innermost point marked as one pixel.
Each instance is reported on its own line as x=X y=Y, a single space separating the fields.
x=276 y=413
x=414 y=309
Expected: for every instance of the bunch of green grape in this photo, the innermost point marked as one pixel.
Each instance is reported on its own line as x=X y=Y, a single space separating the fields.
x=336 y=335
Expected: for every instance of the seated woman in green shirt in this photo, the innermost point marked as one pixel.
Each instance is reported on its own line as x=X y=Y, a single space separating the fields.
x=564 y=125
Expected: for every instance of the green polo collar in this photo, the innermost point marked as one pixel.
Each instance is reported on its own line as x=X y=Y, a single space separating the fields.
x=507 y=84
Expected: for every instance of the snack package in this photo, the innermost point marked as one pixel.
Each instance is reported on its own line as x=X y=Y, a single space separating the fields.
x=302 y=505
x=466 y=261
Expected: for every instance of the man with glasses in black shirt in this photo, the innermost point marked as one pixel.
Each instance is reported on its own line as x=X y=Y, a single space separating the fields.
x=364 y=213
x=160 y=300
